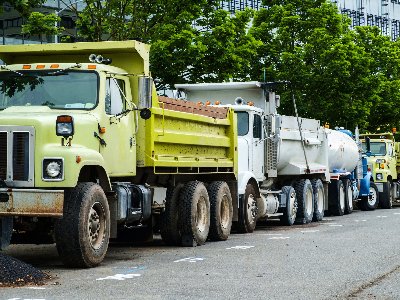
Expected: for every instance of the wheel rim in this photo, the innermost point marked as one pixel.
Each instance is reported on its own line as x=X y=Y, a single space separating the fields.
x=373 y=196
x=350 y=197
x=292 y=205
x=225 y=212
x=201 y=215
x=320 y=200
x=309 y=201
x=251 y=209
x=341 y=198
x=97 y=225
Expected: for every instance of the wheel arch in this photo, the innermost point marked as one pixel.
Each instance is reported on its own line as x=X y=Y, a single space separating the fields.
x=246 y=178
x=95 y=173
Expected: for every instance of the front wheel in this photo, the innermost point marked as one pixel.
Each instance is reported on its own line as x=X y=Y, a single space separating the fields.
x=289 y=214
x=386 y=197
x=370 y=202
x=82 y=235
x=248 y=211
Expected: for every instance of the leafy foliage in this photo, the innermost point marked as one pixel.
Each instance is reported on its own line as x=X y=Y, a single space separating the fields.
x=22 y=6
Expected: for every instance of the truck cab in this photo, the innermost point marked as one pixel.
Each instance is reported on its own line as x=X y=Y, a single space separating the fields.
x=382 y=160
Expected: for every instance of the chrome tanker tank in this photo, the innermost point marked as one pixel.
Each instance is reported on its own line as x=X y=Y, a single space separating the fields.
x=343 y=151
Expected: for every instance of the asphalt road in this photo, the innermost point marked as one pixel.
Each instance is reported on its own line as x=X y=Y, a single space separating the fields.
x=350 y=257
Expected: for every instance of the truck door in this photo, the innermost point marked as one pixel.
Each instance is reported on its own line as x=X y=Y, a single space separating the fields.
x=120 y=151
x=258 y=148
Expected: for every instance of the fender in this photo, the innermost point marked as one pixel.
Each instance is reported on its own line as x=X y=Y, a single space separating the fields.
x=243 y=180
x=365 y=184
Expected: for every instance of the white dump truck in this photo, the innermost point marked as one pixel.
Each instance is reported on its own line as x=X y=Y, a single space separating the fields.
x=286 y=163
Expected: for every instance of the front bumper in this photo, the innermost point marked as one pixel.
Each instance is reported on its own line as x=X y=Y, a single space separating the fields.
x=31 y=202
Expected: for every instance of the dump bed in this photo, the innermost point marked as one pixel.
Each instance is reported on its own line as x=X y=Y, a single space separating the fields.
x=185 y=137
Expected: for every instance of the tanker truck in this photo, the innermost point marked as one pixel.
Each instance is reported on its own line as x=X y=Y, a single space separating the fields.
x=350 y=178
x=89 y=153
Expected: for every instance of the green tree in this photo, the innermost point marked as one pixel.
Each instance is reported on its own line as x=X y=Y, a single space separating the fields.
x=22 y=6
x=42 y=25
x=337 y=75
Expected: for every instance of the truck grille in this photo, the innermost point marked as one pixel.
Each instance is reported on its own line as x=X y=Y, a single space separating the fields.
x=16 y=155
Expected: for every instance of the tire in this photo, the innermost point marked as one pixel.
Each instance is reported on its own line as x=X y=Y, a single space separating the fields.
x=319 y=199
x=372 y=201
x=83 y=234
x=348 y=199
x=194 y=214
x=290 y=211
x=169 y=229
x=221 y=211
x=386 y=197
x=336 y=198
x=248 y=211
x=305 y=201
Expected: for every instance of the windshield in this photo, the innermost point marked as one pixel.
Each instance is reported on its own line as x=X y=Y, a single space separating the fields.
x=377 y=148
x=56 y=89
x=243 y=122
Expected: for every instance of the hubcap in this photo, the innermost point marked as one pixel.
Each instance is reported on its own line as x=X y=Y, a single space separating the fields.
x=201 y=215
x=373 y=196
x=309 y=202
x=341 y=198
x=350 y=197
x=224 y=212
x=292 y=204
x=96 y=225
x=320 y=200
x=251 y=208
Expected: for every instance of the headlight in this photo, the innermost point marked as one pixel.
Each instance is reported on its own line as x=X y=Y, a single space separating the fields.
x=379 y=176
x=53 y=169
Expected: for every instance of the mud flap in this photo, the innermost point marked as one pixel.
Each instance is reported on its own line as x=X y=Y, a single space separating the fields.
x=6 y=227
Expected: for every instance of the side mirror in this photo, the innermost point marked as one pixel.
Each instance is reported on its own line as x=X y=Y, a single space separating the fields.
x=145 y=91
x=368 y=144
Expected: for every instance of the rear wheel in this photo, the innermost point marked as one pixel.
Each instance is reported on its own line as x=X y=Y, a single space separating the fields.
x=348 y=204
x=319 y=199
x=248 y=211
x=169 y=229
x=289 y=214
x=82 y=235
x=305 y=202
x=386 y=197
x=336 y=198
x=371 y=202
x=194 y=214
x=221 y=210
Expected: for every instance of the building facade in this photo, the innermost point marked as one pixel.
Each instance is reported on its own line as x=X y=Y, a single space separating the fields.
x=11 y=22
x=384 y=14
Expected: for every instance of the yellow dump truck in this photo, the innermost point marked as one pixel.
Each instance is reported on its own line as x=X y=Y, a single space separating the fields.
x=89 y=153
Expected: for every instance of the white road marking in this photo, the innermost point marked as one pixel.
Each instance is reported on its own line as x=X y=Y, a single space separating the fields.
x=309 y=231
x=381 y=216
x=240 y=247
x=279 y=238
x=396 y=213
x=190 y=259
x=119 y=277
x=36 y=288
x=360 y=220
x=335 y=225
x=326 y=219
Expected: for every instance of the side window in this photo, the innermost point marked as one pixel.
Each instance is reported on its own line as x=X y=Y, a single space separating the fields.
x=115 y=91
x=257 y=127
x=390 y=149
